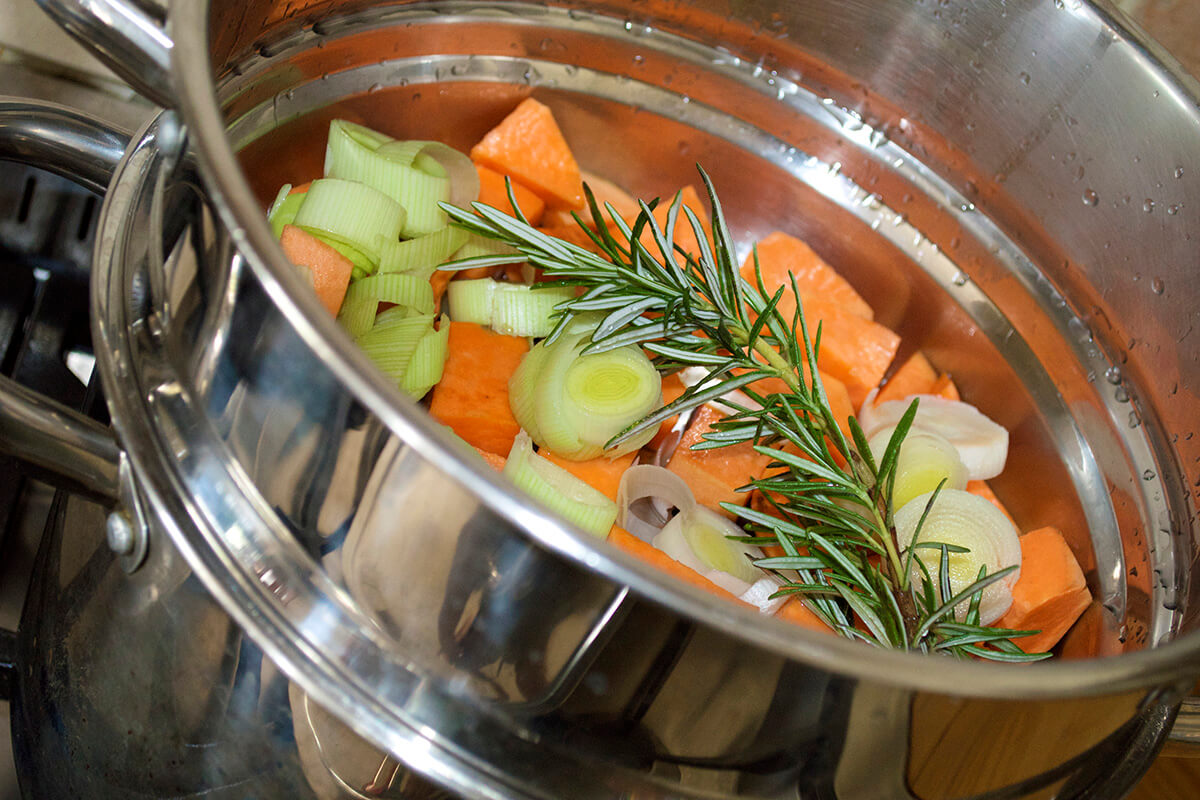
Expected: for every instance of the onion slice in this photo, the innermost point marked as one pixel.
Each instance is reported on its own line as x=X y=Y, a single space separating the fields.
x=648 y=482
x=981 y=443
x=964 y=520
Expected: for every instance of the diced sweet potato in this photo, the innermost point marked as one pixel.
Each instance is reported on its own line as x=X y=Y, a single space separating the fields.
x=715 y=475
x=780 y=254
x=529 y=146
x=1050 y=594
x=603 y=473
x=472 y=396
x=493 y=192
x=915 y=376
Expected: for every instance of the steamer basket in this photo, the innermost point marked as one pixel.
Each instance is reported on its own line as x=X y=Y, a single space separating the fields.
x=955 y=164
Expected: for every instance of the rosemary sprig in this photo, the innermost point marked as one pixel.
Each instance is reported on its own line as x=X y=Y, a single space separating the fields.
x=832 y=501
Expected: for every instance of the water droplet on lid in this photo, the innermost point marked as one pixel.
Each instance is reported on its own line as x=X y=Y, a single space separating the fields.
x=1090 y=198
x=1157 y=286
x=961 y=278
x=1148 y=205
x=1173 y=209
x=1121 y=394
x=1148 y=475
x=1179 y=172
x=639 y=59
x=374 y=87
x=1025 y=78
x=1134 y=419
x=1113 y=375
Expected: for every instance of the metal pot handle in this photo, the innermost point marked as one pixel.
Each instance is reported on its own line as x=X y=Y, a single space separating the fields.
x=127 y=35
x=75 y=451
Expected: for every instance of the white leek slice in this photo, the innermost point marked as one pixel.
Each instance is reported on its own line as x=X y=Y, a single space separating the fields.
x=401 y=289
x=961 y=519
x=925 y=460
x=730 y=401
x=648 y=482
x=352 y=213
x=759 y=595
x=696 y=538
x=981 y=443
x=576 y=403
x=558 y=489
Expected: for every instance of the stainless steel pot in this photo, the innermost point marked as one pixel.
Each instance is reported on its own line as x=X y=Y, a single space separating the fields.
x=521 y=659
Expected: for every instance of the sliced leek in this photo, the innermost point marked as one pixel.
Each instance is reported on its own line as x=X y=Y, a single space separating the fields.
x=697 y=539
x=977 y=535
x=401 y=289
x=576 y=403
x=981 y=443
x=425 y=367
x=417 y=175
x=350 y=213
x=559 y=490
x=357 y=314
x=283 y=209
x=925 y=461
x=422 y=255
x=471 y=300
x=513 y=309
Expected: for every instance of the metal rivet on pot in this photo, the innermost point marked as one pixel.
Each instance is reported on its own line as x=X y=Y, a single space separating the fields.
x=119 y=533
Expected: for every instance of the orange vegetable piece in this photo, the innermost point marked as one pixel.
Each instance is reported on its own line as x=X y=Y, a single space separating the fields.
x=493 y=192
x=795 y=612
x=472 y=396
x=571 y=233
x=301 y=189
x=944 y=387
x=672 y=388
x=715 y=475
x=624 y=540
x=684 y=236
x=915 y=376
x=605 y=191
x=780 y=254
x=854 y=350
x=1050 y=594
x=494 y=461
x=981 y=489
x=603 y=473
x=330 y=269
x=528 y=145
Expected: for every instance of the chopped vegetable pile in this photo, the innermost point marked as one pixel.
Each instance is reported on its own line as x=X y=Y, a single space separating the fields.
x=743 y=429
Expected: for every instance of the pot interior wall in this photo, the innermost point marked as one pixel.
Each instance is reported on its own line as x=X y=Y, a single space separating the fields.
x=962 y=270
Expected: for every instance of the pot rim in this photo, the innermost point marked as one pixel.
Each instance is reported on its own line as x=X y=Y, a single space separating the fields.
x=239 y=210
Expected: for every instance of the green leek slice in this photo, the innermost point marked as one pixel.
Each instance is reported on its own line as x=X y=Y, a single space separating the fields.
x=284 y=208
x=519 y=309
x=513 y=309
x=559 y=490
x=425 y=368
x=350 y=213
x=357 y=314
x=471 y=300
x=391 y=168
x=401 y=289
x=422 y=255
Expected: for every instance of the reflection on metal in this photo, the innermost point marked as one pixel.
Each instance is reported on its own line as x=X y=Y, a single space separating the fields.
x=472 y=636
